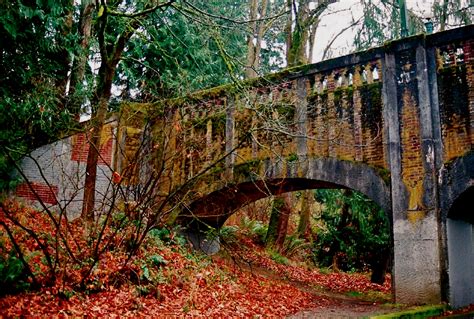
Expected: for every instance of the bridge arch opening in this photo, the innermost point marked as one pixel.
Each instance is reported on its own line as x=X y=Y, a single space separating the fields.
x=460 y=247
x=215 y=208
x=273 y=177
x=348 y=230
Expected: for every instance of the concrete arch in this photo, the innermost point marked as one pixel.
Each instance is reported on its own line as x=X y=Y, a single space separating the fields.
x=278 y=177
x=455 y=179
x=457 y=215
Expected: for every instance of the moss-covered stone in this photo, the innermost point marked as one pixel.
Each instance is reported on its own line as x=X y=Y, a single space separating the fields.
x=248 y=169
x=371 y=112
x=292 y=158
x=415 y=313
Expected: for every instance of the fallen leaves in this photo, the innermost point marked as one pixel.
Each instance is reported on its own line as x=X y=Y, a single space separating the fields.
x=170 y=281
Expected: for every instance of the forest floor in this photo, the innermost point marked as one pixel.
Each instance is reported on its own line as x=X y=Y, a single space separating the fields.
x=243 y=280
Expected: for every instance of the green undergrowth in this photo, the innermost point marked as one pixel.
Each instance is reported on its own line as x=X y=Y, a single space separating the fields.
x=415 y=313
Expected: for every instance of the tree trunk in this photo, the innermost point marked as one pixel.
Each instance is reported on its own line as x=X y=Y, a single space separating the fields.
x=250 y=71
x=283 y=222
x=100 y=103
x=278 y=224
x=444 y=15
x=304 y=224
x=335 y=248
x=80 y=62
x=312 y=40
x=108 y=65
x=302 y=29
x=379 y=266
x=297 y=49
x=288 y=29
x=254 y=41
x=63 y=57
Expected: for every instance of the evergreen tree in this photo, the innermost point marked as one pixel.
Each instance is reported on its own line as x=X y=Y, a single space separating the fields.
x=354 y=232
x=36 y=44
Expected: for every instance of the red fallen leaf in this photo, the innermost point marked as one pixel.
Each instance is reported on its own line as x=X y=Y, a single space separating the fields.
x=221 y=289
x=116 y=178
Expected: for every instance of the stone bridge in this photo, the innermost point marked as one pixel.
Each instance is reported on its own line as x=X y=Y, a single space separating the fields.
x=395 y=123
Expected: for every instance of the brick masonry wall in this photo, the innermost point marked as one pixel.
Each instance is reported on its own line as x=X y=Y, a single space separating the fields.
x=456 y=98
x=412 y=164
x=48 y=194
x=345 y=115
x=469 y=59
x=55 y=173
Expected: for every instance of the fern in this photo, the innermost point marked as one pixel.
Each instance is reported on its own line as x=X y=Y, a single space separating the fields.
x=255 y=229
x=293 y=245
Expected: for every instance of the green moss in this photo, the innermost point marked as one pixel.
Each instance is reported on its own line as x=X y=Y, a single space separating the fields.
x=199 y=123
x=315 y=95
x=349 y=91
x=218 y=123
x=272 y=232
x=292 y=158
x=394 y=45
x=217 y=169
x=371 y=96
x=418 y=312
x=323 y=100
x=384 y=174
x=248 y=169
x=338 y=102
x=286 y=110
x=338 y=94
x=213 y=175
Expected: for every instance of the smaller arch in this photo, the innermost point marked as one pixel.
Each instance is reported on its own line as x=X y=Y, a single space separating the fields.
x=461 y=208
x=324 y=84
x=456 y=202
x=460 y=249
x=339 y=79
x=455 y=178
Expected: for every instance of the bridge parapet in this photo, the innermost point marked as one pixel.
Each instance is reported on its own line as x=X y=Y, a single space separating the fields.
x=332 y=109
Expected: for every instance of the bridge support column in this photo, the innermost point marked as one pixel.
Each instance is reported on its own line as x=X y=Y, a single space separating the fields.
x=408 y=112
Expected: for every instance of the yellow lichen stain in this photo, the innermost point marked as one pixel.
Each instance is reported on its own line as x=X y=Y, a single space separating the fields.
x=301 y=170
x=412 y=161
x=416 y=193
x=415 y=216
x=132 y=131
x=243 y=155
x=456 y=140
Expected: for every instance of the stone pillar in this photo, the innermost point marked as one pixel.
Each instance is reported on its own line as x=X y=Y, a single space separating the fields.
x=408 y=110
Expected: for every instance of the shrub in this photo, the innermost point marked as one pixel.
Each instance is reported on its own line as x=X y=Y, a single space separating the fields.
x=278 y=258
x=254 y=229
x=12 y=274
x=294 y=245
x=353 y=230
